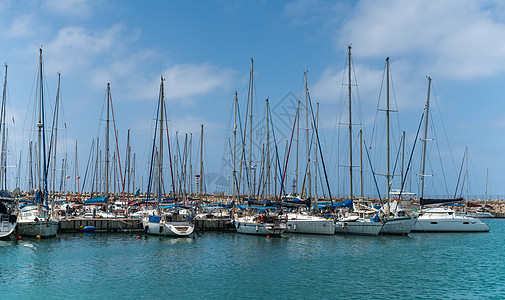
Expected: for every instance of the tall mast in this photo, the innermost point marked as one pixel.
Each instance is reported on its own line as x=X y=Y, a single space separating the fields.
x=55 y=129
x=107 y=145
x=425 y=139
x=487 y=175
x=250 y=125
x=297 y=142
x=234 y=145
x=315 y=152
x=268 y=155
x=361 y=160
x=201 y=165
x=160 y=156
x=403 y=159
x=350 y=124
x=309 y=190
x=77 y=178
x=3 y=124
x=387 y=129
x=39 y=124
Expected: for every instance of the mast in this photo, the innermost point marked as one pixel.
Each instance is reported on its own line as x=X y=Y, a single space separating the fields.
x=160 y=156
x=309 y=188
x=315 y=152
x=361 y=160
x=297 y=142
x=403 y=159
x=350 y=124
x=234 y=145
x=268 y=155
x=55 y=129
x=107 y=146
x=388 y=146
x=250 y=123
x=3 y=124
x=425 y=139
x=201 y=165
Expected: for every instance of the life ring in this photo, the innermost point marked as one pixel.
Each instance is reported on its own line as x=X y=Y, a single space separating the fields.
x=260 y=218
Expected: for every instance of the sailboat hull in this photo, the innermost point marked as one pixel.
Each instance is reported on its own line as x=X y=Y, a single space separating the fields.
x=399 y=226
x=6 y=227
x=358 y=227
x=257 y=228
x=455 y=224
x=174 y=229
x=310 y=225
x=41 y=228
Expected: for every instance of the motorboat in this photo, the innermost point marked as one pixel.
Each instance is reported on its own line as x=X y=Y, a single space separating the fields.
x=445 y=219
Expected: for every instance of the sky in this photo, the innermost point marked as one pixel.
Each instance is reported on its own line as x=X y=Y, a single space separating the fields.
x=203 y=49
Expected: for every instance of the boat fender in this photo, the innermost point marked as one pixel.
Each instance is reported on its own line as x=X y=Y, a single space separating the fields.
x=343 y=225
x=36 y=219
x=161 y=228
x=238 y=225
x=146 y=228
x=257 y=228
x=294 y=227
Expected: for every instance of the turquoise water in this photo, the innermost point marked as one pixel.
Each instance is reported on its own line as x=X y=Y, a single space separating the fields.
x=231 y=266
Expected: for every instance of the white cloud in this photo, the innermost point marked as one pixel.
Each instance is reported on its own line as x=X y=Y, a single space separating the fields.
x=22 y=27
x=75 y=48
x=449 y=38
x=69 y=8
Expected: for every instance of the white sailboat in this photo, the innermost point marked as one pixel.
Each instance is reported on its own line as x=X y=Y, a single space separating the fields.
x=262 y=224
x=359 y=222
x=444 y=219
x=7 y=222
x=396 y=222
x=166 y=222
x=307 y=223
x=35 y=220
x=441 y=219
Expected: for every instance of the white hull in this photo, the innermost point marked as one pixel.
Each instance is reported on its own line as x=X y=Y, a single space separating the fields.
x=248 y=226
x=358 y=227
x=399 y=226
x=169 y=228
x=6 y=229
x=445 y=220
x=298 y=223
x=484 y=214
x=456 y=224
x=42 y=228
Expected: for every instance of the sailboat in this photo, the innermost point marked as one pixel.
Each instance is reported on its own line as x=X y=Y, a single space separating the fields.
x=396 y=221
x=361 y=221
x=303 y=221
x=35 y=219
x=441 y=219
x=267 y=222
x=7 y=220
x=172 y=220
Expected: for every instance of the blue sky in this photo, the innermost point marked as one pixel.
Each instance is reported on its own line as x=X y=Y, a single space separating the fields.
x=204 y=48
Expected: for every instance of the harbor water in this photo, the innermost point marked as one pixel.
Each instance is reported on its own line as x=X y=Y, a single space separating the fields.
x=227 y=265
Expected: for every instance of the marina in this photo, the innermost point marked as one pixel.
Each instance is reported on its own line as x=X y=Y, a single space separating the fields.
x=120 y=265
x=303 y=149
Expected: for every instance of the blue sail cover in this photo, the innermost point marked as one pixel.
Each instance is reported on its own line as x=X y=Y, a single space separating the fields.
x=96 y=200
x=5 y=194
x=347 y=203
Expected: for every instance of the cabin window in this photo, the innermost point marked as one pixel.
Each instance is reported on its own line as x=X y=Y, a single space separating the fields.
x=433 y=222
x=466 y=223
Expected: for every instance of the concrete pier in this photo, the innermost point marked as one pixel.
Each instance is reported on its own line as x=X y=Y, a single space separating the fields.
x=101 y=224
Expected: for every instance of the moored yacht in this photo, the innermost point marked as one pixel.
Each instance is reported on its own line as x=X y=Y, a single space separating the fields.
x=306 y=223
x=35 y=220
x=7 y=222
x=262 y=224
x=444 y=219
